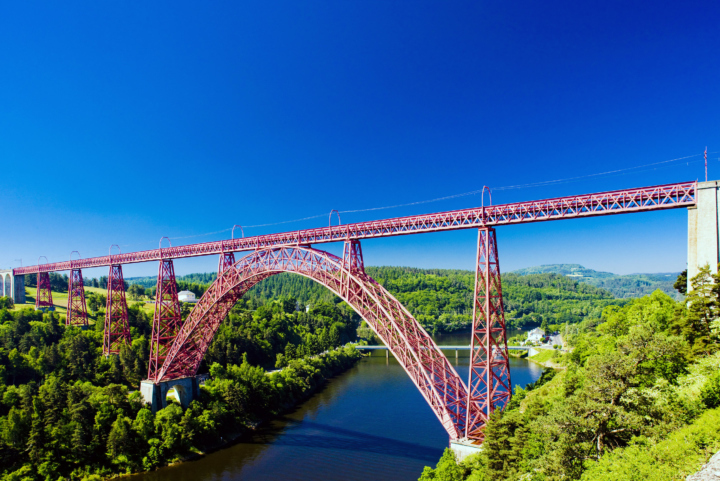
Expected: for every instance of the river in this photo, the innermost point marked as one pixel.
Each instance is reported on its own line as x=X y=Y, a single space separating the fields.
x=368 y=423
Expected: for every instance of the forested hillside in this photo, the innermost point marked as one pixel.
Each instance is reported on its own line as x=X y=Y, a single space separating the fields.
x=440 y=299
x=638 y=398
x=69 y=413
x=623 y=287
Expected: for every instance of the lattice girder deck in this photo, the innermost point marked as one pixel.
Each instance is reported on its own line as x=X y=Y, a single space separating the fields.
x=641 y=199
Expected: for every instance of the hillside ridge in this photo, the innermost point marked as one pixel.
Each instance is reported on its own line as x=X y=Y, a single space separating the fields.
x=621 y=286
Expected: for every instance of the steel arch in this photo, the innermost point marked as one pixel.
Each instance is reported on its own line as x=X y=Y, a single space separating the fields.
x=426 y=365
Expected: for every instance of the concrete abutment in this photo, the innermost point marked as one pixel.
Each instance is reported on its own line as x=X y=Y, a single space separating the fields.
x=464 y=448
x=155 y=395
x=703 y=224
x=12 y=286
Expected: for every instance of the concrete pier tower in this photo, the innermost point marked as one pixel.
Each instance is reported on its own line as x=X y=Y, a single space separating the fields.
x=703 y=238
x=12 y=286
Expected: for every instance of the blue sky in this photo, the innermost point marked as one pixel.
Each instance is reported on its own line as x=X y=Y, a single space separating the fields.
x=122 y=123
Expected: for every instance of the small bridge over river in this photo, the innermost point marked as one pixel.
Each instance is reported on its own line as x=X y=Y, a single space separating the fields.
x=177 y=347
x=442 y=347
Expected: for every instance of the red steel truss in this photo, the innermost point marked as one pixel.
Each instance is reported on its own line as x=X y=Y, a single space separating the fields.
x=76 y=310
x=428 y=368
x=641 y=199
x=117 y=329
x=227 y=259
x=43 y=298
x=489 y=385
x=166 y=321
x=352 y=263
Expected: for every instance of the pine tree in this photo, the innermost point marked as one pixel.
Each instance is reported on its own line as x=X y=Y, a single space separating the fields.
x=37 y=440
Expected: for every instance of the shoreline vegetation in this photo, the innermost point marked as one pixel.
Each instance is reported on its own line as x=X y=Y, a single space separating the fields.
x=637 y=397
x=329 y=364
x=69 y=413
x=548 y=358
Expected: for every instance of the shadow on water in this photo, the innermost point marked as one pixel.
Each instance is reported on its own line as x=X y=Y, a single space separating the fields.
x=368 y=423
x=346 y=439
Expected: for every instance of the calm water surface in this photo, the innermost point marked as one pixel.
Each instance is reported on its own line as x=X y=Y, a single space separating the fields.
x=369 y=423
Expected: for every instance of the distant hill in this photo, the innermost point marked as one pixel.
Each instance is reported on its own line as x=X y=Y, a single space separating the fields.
x=631 y=285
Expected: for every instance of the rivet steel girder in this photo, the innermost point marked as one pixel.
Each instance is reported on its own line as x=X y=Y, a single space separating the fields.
x=661 y=197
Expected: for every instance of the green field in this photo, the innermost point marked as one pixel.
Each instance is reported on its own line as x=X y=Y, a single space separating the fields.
x=543 y=356
x=60 y=301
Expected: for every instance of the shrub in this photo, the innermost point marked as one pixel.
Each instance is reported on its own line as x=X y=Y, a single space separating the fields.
x=710 y=394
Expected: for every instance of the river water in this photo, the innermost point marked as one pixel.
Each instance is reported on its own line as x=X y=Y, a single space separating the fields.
x=370 y=422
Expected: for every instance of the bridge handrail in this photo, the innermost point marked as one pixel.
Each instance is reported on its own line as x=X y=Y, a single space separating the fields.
x=642 y=199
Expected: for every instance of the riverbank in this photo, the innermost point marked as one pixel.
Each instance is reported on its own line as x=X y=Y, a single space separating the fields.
x=369 y=422
x=234 y=402
x=548 y=358
x=639 y=398
x=329 y=364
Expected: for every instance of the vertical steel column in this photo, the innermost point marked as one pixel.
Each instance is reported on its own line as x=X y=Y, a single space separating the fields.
x=227 y=259
x=167 y=320
x=489 y=377
x=43 y=298
x=352 y=261
x=76 y=309
x=117 y=328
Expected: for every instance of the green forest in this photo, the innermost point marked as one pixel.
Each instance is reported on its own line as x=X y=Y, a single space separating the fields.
x=638 y=381
x=637 y=398
x=69 y=413
x=441 y=299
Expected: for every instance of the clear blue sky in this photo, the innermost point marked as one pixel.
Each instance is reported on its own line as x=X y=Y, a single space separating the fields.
x=121 y=123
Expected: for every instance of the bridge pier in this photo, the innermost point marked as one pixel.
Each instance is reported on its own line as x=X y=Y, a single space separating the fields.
x=43 y=298
x=76 y=307
x=12 y=286
x=166 y=321
x=463 y=449
x=187 y=389
x=117 y=328
x=703 y=238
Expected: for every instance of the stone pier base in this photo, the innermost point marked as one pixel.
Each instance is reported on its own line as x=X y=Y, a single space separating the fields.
x=12 y=286
x=186 y=389
x=463 y=449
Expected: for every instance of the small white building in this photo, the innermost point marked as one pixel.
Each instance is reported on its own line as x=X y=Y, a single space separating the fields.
x=536 y=335
x=186 y=296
